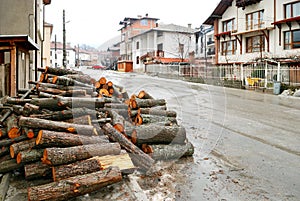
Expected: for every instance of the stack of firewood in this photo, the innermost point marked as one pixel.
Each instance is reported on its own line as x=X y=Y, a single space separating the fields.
x=84 y=133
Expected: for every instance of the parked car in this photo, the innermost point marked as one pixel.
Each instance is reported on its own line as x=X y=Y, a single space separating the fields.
x=98 y=67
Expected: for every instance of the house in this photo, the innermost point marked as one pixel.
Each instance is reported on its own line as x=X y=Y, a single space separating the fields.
x=146 y=41
x=56 y=55
x=21 y=39
x=46 y=60
x=257 y=38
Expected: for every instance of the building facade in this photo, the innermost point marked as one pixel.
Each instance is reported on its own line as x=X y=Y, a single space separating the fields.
x=257 y=33
x=56 y=55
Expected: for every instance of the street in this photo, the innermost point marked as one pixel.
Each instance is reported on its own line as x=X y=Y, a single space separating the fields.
x=246 y=143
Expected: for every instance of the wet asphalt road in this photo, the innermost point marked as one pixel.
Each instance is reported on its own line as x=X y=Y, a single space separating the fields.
x=247 y=144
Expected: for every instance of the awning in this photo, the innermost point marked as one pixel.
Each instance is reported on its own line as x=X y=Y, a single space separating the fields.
x=20 y=40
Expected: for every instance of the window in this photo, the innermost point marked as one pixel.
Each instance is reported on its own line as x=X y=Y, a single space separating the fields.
x=292 y=10
x=144 y=22
x=160 y=46
x=137 y=60
x=291 y=39
x=255 y=44
x=228 y=47
x=160 y=33
x=255 y=20
x=228 y=25
x=137 y=45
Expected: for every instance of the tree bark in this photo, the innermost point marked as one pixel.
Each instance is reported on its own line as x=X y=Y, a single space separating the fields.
x=4 y=185
x=58 y=71
x=8 y=142
x=170 y=151
x=149 y=119
x=4 y=151
x=47 y=103
x=57 y=126
x=67 y=114
x=37 y=170
x=153 y=111
x=92 y=103
x=77 y=168
x=144 y=103
x=13 y=129
x=74 y=186
x=59 y=156
x=156 y=134
x=139 y=158
x=28 y=156
x=48 y=138
x=83 y=120
x=21 y=146
x=144 y=95
x=9 y=165
x=61 y=80
x=3 y=132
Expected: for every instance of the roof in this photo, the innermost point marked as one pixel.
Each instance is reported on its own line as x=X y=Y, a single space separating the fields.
x=21 y=40
x=218 y=12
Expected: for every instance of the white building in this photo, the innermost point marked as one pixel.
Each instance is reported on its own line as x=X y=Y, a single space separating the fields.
x=164 y=42
x=56 y=57
x=257 y=30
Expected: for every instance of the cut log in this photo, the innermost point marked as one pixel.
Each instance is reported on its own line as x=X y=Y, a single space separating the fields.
x=8 y=142
x=57 y=126
x=139 y=158
x=149 y=119
x=153 y=111
x=4 y=151
x=77 y=168
x=58 y=71
x=144 y=95
x=47 y=103
x=27 y=93
x=118 y=121
x=75 y=186
x=21 y=146
x=67 y=114
x=3 y=132
x=4 y=185
x=102 y=80
x=115 y=106
x=28 y=156
x=37 y=170
x=123 y=161
x=13 y=129
x=92 y=103
x=30 y=133
x=9 y=165
x=59 y=156
x=61 y=80
x=145 y=103
x=48 y=138
x=84 y=78
x=5 y=116
x=29 y=109
x=170 y=151
x=83 y=120
x=17 y=101
x=156 y=134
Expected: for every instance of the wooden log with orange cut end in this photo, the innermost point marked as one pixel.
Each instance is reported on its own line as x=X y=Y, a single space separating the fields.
x=48 y=138
x=13 y=129
x=58 y=71
x=102 y=80
x=75 y=186
x=139 y=158
x=3 y=132
x=21 y=146
x=57 y=126
x=59 y=156
x=146 y=103
x=144 y=95
x=29 y=156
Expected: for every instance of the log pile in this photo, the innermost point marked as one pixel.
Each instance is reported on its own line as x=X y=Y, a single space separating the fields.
x=84 y=134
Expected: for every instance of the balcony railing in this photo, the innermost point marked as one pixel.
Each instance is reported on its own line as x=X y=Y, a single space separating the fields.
x=211 y=53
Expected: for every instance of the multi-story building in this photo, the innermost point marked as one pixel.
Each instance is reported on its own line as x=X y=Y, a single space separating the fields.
x=56 y=55
x=155 y=42
x=257 y=34
x=22 y=37
x=47 y=44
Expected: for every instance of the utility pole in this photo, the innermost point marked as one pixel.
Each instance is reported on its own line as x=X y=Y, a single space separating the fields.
x=64 y=61
x=55 y=52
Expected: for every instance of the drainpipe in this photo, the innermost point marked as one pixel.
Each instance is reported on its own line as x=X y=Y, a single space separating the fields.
x=42 y=42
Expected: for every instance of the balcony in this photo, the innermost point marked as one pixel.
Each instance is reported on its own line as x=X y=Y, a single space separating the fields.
x=209 y=42
x=244 y=3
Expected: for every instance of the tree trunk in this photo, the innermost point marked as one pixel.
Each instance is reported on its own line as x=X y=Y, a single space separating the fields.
x=144 y=103
x=8 y=142
x=153 y=111
x=144 y=95
x=139 y=158
x=74 y=186
x=115 y=106
x=149 y=119
x=170 y=151
x=67 y=114
x=28 y=156
x=77 y=168
x=21 y=146
x=58 y=71
x=156 y=134
x=65 y=81
x=92 y=103
x=9 y=165
x=13 y=129
x=48 y=138
x=47 y=103
x=57 y=126
x=59 y=156
x=81 y=78
x=37 y=170
x=17 y=101
x=83 y=120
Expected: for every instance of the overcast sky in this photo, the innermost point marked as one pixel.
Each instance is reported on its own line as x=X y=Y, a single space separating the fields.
x=93 y=22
